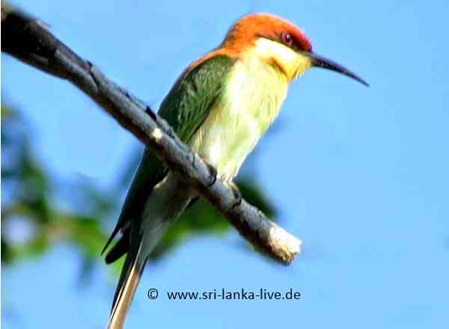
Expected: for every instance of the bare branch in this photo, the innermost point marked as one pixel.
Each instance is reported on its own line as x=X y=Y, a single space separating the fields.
x=28 y=40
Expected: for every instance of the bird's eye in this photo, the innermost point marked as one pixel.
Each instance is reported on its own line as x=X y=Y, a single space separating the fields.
x=287 y=39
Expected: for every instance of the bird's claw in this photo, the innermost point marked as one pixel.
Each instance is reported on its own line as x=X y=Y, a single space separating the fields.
x=237 y=194
x=151 y=113
x=212 y=172
x=138 y=102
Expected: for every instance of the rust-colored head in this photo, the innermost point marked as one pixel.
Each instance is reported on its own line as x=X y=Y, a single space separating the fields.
x=249 y=29
x=279 y=42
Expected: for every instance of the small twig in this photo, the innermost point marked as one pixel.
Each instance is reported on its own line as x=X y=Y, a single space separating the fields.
x=28 y=40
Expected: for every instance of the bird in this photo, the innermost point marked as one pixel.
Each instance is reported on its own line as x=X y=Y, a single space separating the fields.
x=220 y=106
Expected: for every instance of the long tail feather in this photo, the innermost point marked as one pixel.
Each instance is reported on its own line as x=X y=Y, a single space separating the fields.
x=168 y=199
x=127 y=285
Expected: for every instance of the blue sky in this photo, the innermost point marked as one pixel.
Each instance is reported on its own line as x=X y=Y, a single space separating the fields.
x=359 y=174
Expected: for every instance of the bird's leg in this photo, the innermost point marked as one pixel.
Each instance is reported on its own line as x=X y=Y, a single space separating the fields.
x=234 y=188
x=212 y=172
x=237 y=194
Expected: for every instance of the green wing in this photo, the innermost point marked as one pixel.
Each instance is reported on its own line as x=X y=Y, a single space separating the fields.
x=185 y=108
x=194 y=94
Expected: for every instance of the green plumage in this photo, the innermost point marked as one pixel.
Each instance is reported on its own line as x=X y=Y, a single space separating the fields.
x=220 y=107
x=185 y=108
x=194 y=95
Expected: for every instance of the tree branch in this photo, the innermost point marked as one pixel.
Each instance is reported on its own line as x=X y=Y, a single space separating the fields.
x=27 y=39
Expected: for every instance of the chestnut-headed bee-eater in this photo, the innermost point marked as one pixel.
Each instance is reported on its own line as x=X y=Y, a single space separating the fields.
x=220 y=106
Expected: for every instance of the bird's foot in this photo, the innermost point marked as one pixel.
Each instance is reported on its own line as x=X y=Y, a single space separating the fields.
x=151 y=113
x=139 y=103
x=212 y=172
x=237 y=194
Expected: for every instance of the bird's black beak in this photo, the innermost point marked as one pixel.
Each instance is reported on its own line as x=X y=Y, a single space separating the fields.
x=324 y=63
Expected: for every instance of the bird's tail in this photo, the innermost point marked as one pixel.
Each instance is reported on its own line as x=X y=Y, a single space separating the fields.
x=127 y=285
x=168 y=199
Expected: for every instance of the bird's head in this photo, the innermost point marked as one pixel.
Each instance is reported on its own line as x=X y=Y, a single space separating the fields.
x=280 y=43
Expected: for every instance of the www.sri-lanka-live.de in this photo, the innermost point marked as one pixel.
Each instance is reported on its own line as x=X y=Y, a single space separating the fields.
x=225 y=294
